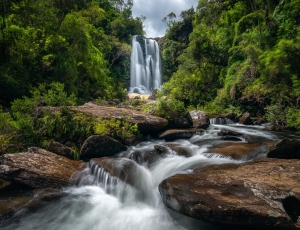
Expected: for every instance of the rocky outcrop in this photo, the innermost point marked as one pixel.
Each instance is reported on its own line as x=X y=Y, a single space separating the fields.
x=264 y=192
x=60 y=149
x=100 y=146
x=146 y=123
x=198 y=119
x=38 y=168
x=173 y=134
x=245 y=119
x=286 y=149
x=241 y=151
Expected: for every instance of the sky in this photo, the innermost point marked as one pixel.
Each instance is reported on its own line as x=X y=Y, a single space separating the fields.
x=156 y=10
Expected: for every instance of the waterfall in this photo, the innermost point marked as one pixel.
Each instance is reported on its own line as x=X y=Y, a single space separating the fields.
x=221 y=121
x=145 y=66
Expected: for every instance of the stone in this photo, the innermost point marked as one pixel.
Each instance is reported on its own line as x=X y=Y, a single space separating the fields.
x=285 y=149
x=173 y=134
x=241 y=151
x=245 y=119
x=100 y=146
x=60 y=149
x=179 y=122
x=38 y=168
x=262 y=193
x=180 y=150
x=153 y=95
x=198 y=119
x=229 y=133
x=146 y=123
x=125 y=169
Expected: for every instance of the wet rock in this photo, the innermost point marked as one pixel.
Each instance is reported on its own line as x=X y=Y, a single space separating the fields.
x=286 y=149
x=4 y=184
x=179 y=122
x=125 y=169
x=198 y=119
x=259 y=193
x=272 y=127
x=160 y=149
x=38 y=168
x=146 y=123
x=60 y=149
x=48 y=194
x=173 y=134
x=180 y=150
x=240 y=151
x=230 y=138
x=153 y=95
x=147 y=157
x=229 y=133
x=100 y=146
x=245 y=119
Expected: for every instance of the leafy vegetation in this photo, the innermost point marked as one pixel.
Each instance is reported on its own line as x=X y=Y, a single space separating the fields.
x=83 y=44
x=237 y=56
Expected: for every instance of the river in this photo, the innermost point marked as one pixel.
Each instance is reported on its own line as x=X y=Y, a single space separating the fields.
x=99 y=201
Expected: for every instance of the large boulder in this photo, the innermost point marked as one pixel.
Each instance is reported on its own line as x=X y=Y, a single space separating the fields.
x=146 y=123
x=38 y=168
x=198 y=119
x=286 y=149
x=100 y=146
x=173 y=134
x=245 y=119
x=264 y=192
x=60 y=149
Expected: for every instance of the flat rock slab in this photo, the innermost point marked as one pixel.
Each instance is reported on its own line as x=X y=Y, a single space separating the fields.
x=146 y=123
x=38 y=168
x=264 y=192
x=173 y=134
x=240 y=151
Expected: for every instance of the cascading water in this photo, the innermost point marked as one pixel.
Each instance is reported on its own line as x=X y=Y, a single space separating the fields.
x=100 y=201
x=145 y=67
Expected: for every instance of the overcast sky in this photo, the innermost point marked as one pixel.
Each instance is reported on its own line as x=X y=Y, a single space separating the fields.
x=156 y=10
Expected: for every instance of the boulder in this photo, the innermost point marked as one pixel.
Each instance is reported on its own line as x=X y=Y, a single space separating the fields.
x=153 y=95
x=60 y=149
x=38 y=168
x=125 y=169
x=245 y=119
x=179 y=122
x=240 y=151
x=229 y=133
x=264 y=193
x=180 y=150
x=173 y=134
x=286 y=149
x=146 y=123
x=198 y=119
x=100 y=146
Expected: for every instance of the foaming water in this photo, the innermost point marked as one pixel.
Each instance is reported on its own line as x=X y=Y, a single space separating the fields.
x=100 y=201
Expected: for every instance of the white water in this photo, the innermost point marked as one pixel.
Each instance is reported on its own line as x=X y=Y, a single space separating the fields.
x=100 y=201
x=145 y=67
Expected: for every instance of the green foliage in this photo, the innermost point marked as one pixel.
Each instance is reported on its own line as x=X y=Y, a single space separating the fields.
x=83 y=44
x=293 y=118
x=240 y=56
x=118 y=129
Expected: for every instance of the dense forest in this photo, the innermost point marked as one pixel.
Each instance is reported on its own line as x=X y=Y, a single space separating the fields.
x=236 y=56
x=84 y=44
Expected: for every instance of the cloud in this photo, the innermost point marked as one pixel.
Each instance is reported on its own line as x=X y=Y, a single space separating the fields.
x=156 y=10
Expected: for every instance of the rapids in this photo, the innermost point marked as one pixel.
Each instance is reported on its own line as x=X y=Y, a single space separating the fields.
x=99 y=201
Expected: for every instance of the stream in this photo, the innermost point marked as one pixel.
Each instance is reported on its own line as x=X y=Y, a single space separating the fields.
x=100 y=201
